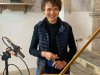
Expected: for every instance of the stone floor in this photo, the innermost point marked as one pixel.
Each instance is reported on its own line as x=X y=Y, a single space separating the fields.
x=77 y=68
x=88 y=56
x=25 y=72
x=91 y=61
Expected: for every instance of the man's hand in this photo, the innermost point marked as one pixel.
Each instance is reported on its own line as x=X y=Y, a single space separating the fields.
x=49 y=55
x=59 y=64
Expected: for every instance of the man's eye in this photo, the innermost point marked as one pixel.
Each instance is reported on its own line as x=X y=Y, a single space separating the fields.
x=56 y=9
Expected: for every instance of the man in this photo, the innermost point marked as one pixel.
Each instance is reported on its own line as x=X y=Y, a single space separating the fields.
x=53 y=36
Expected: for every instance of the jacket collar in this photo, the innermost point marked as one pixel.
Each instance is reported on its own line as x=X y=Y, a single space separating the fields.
x=62 y=25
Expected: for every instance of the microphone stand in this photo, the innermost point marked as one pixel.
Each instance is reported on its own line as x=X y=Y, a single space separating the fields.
x=6 y=55
x=5 y=58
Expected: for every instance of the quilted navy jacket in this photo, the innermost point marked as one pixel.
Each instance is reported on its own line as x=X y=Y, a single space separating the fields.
x=64 y=39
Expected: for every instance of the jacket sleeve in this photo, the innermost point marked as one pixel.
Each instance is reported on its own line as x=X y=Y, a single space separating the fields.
x=34 y=43
x=71 y=44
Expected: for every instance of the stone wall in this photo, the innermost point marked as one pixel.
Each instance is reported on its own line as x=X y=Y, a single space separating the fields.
x=96 y=25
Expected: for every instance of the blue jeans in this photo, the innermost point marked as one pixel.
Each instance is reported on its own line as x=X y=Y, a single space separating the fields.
x=49 y=69
x=37 y=71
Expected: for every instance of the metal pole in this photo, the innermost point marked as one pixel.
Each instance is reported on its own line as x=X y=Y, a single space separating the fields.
x=6 y=67
x=5 y=58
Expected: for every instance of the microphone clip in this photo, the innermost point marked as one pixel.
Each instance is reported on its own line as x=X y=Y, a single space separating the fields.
x=6 y=55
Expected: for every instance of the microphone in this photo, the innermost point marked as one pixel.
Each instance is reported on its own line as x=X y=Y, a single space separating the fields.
x=15 y=48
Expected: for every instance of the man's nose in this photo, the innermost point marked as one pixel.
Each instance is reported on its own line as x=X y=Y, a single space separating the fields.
x=52 y=11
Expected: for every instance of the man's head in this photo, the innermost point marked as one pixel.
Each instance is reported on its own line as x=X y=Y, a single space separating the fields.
x=57 y=3
x=51 y=9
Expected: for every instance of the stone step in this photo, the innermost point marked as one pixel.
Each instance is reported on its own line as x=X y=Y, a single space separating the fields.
x=78 y=69
x=90 y=61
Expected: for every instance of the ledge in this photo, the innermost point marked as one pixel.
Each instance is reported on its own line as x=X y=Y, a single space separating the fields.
x=96 y=14
x=26 y=5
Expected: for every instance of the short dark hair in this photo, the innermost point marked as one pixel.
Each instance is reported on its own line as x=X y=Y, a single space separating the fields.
x=57 y=3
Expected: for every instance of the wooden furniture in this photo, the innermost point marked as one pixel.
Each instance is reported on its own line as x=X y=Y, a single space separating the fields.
x=16 y=6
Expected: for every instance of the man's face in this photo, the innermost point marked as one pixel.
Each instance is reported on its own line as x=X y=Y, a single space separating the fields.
x=51 y=12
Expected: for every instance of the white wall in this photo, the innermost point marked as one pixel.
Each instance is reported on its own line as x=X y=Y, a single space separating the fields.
x=76 y=13
x=81 y=23
x=18 y=27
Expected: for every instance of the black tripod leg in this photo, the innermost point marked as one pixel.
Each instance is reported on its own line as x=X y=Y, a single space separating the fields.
x=6 y=67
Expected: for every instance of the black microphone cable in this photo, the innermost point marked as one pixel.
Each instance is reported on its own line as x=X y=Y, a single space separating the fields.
x=16 y=67
x=6 y=50
x=15 y=48
x=25 y=65
x=16 y=56
x=4 y=41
